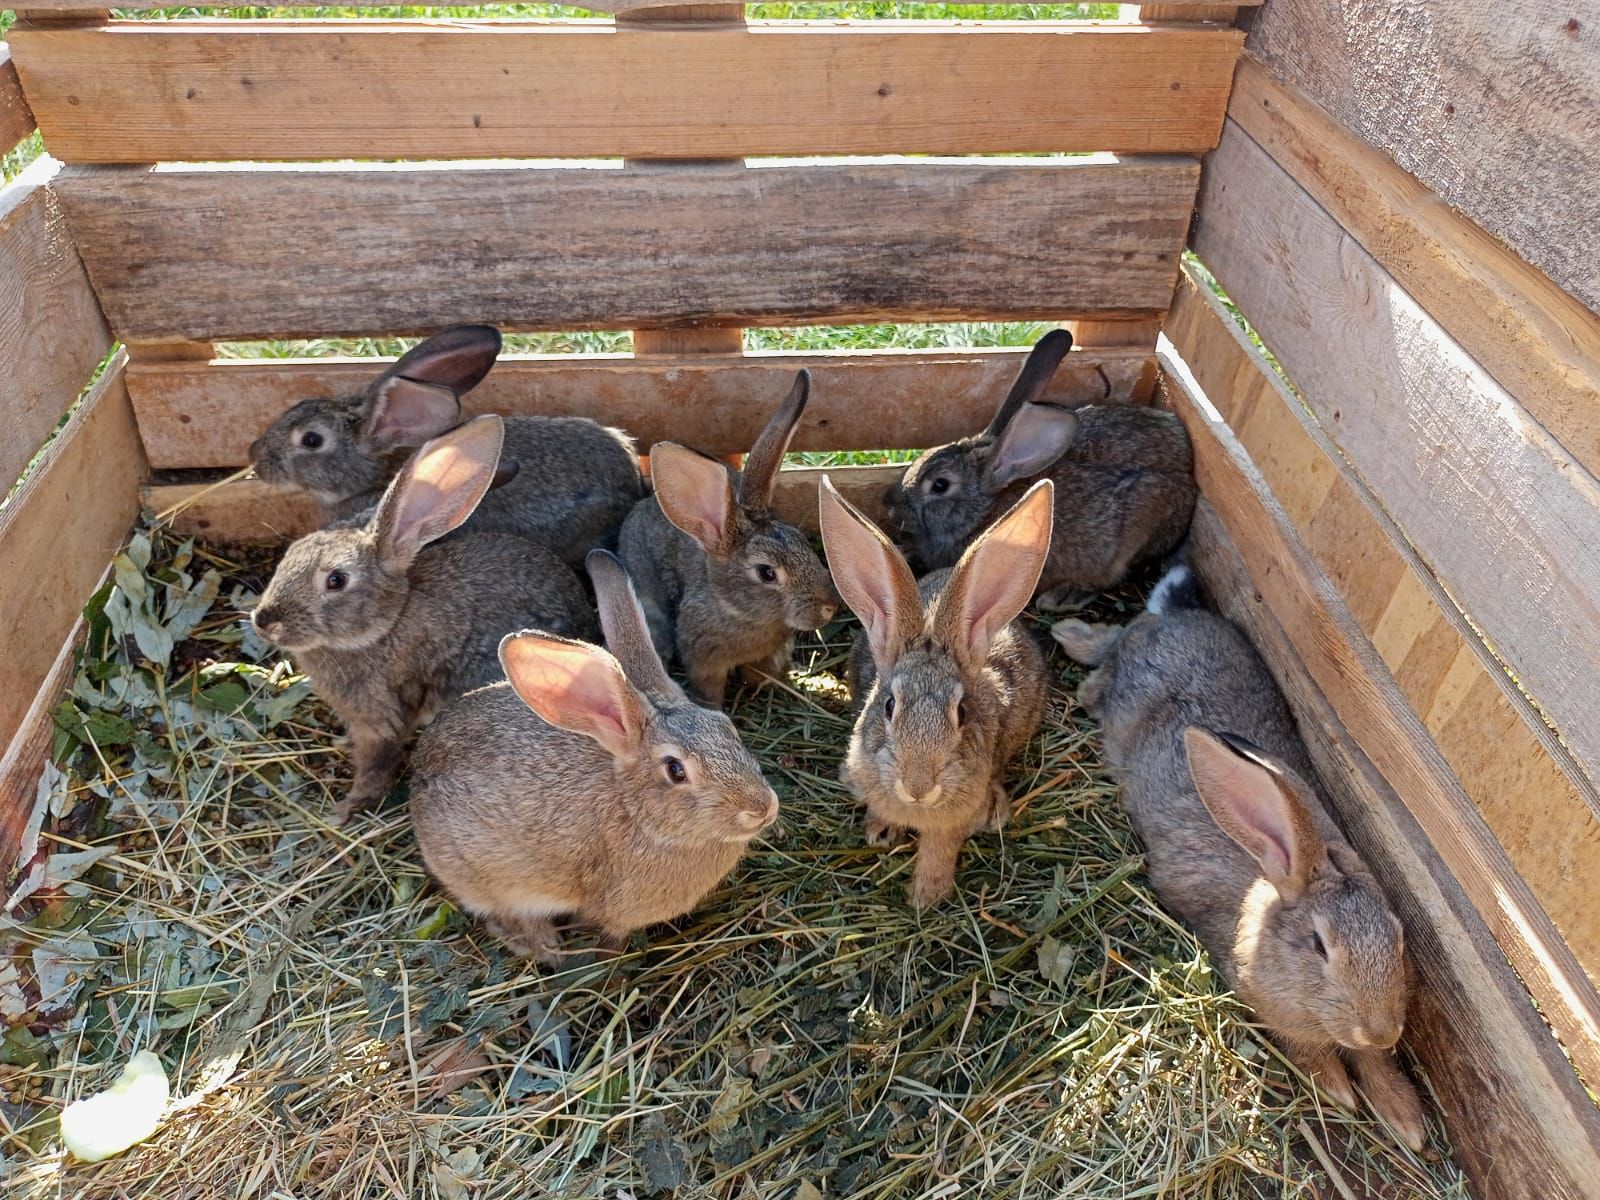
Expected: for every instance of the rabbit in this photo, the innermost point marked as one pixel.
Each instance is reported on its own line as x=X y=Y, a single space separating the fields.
x=723 y=582
x=389 y=628
x=585 y=783
x=950 y=684
x=1221 y=790
x=1124 y=477
x=565 y=481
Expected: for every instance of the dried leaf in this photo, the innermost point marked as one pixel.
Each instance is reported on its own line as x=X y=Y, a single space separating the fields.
x=550 y=1034
x=663 y=1158
x=807 y=1191
x=451 y=1067
x=733 y=1098
x=1055 y=960
x=59 y=967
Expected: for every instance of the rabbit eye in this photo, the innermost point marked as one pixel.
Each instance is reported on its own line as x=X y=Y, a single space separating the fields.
x=939 y=486
x=888 y=708
x=676 y=771
x=766 y=573
x=1317 y=945
x=311 y=440
x=336 y=581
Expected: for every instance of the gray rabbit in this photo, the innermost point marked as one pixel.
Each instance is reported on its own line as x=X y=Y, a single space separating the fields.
x=565 y=481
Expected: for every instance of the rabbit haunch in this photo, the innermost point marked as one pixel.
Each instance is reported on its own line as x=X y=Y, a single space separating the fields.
x=565 y=481
x=586 y=784
x=389 y=627
x=1123 y=474
x=950 y=684
x=1219 y=788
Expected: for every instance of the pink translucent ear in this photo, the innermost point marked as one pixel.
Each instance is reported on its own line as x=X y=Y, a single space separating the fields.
x=438 y=489
x=407 y=412
x=576 y=687
x=1037 y=436
x=995 y=578
x=871 y=575
x=695 y=494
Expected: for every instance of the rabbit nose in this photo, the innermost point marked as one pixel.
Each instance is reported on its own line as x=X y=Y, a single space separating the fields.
x=266 y=620
x=255 y=449
x=1380 y=1036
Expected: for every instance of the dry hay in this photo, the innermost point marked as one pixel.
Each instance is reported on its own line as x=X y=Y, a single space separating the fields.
x=334 y=1030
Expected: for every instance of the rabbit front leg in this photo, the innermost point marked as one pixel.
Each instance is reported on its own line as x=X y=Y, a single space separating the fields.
x=1390 y=1095
x=375 y=754
x=1321 y=1063
x=934 y=875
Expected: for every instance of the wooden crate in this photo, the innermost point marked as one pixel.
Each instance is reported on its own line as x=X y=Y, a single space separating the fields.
x=1401 y=505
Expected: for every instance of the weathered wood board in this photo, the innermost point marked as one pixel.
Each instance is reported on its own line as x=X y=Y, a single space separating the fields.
x=16 y=118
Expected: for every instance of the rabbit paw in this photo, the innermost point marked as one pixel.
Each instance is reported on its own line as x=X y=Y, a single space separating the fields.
x=999 y=808
x=929 y=888
x=883 y=834
x=528 y=937
x=1065 y=598
x=1391 y=1096
x=356 y=802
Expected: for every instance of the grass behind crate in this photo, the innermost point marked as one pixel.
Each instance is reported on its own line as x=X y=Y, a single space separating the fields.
x=334 y=1030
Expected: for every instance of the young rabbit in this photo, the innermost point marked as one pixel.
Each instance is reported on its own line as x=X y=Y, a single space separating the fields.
x=1219 y=787
x=1124 y=477
x=389 y=628
x=723 y=582
x=565 y=481
x=953 y=685
x=587 y=785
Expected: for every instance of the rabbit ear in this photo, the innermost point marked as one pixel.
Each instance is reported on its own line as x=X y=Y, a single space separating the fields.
x=995 y=578
x=1037 y=436
x=437 y=490
x=761 y=465
x=406 y=412
x=1036 y=373
x=695 y=494
x=456 y=359
x=1252 y=802
x=623 y=622
x=871 y=575
x=576 y=687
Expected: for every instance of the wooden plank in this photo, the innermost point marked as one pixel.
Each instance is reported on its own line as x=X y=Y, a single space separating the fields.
x=16 y=118
x=1186 y=10
x=23 y=759
x=1502 y=514
x=1521 y=779
x=1539 y=343
x=207 y=414
x=1494 y=107
x=286 y=90
x=1358 y=685
x=58 y=533
x=199 y=253
x=51 y=332
x=1520 y=1123
x=73 y=7
x=251 y=512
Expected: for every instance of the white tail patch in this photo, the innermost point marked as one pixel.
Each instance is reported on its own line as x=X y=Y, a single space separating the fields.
x=1173 y=585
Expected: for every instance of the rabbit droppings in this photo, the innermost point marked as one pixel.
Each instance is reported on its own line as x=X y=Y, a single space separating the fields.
x=723 y=582
x=1124 y=476
x=1219 y=788
x=588 y=784
x=389 y=628
x=950 y=685
x=565 y=481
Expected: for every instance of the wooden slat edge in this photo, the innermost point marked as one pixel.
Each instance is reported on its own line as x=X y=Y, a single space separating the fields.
x=16 y=118
x=1531 y=793
x=72 y=7
x=205 y=415
x=1358 y=685
x=1520 y=1123
x=1540 y=344
x=24 y=758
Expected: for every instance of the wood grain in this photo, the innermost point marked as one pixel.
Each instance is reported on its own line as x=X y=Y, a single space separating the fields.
x=51 y=332
x=1525 y=784
x=287 y=90
x=1503 y=516
x=16 y=118
x=1539 y=343
x=207 y=414
x=1494 y=107
x=23 y=759
x=1520 y=1124
x=58 y=533
x=43 y=7
x=1358 y=686
x=199 y=253
x=251 y=512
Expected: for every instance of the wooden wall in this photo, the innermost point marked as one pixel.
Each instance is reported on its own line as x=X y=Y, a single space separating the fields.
x=1404 y=506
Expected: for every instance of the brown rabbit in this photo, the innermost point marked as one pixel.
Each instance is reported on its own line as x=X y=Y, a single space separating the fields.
x=389 y=628
x=1238 y=844
x=723 y=582
x=953 y=686
x=1124 y=477
x=565 y=481
x=587 y=785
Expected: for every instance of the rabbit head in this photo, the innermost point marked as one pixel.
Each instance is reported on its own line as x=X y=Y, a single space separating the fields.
x=694 y=780
x=1321 y=942
x=343 y=589
x=951 y=491
x=343 y=447
x=761 y=569
x=928 y=729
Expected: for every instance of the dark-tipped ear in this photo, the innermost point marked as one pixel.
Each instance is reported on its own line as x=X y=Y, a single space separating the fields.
x=623 y=622
x=996 y=575
x=437 y=489
x=457 y=358
x=871 y=575
x=406 y=412
x=1031 y=381
x=1253 y=802
x=761 y=465
x=695 y=493
x=1037 y=436
x=575 y=686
